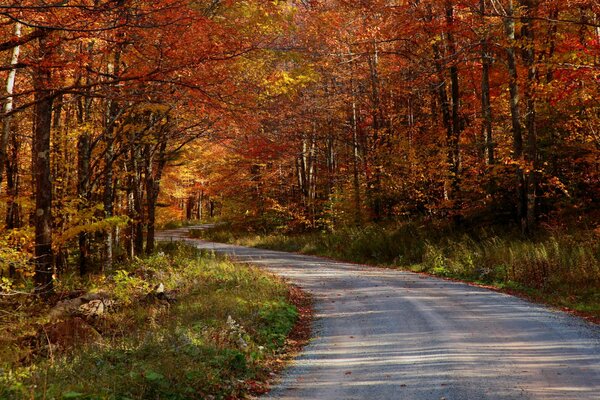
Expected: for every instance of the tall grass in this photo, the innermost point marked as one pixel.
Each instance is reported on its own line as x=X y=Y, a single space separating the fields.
x=561 y=267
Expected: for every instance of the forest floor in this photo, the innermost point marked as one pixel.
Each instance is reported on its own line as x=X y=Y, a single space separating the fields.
x=389 y=334
x=181 y=324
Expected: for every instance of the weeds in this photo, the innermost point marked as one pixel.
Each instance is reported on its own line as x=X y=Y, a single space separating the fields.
x=562 y=268
x=226 y=326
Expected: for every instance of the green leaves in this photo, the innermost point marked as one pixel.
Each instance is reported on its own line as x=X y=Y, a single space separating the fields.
x=153 y=376
x=73 y=395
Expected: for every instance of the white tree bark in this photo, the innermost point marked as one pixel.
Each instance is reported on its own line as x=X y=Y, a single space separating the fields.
x=8 y=104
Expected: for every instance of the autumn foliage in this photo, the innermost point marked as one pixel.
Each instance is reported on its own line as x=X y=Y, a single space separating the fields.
x=297 y=114
x=481 y=111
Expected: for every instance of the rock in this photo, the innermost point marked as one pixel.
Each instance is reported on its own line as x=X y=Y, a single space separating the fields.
x=161 y=295
x=87 y=305
x=93 y=309
x=159 y=289
x=65 y=308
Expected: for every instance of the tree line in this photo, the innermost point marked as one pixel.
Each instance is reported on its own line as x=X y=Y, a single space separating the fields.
x=476 y=111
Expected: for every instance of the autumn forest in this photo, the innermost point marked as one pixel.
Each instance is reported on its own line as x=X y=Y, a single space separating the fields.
x=309 y=114
x=294 y=118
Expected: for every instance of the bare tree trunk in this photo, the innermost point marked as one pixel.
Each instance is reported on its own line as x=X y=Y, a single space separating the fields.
x=189 y=207
x=530 y=121
x=13 y=208
x=356 y=162
x=83 y=180
x=44 y=260
x=486 y=107
x=199 y=211
x=515 y=110
x=138 y=216
x=312 y=174
x=153 y=179
x=109 y=138
x=442 y=94
x=374 y=190
x=454 y=132
x=130 y=212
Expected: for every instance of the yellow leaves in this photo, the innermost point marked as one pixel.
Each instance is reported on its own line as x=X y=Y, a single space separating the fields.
x=16 y=248
x=155 y=108
x=101 y=225
x=78 y=217
x=289 y=83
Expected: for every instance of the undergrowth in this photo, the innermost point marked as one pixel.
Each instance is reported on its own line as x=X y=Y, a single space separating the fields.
x=561 y=268
x=218 y=339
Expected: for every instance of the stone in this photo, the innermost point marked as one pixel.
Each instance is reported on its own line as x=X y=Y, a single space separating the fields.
x=88 y=305
x=92 y=309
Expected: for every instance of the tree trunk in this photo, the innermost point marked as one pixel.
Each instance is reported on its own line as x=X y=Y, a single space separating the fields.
x=13 y=208
x=211 y=208
x=109 y=138
x=454 y=132
x=513 y=84
x=199 y=210
x=8 y=103
x=43 y=95
x=189 y=207
x=356 y=162
x=83 y=180
x=515 y=111
x=531 y=156
x=153 y=190
x=486 y=107
x=138 y=216
x=130 y=213
x=374 y=190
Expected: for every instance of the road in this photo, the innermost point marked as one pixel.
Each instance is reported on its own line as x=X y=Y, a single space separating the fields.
x=387 y=334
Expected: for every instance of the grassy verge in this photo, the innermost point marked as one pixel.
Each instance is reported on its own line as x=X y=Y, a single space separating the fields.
x=560 y=269
x=219 y=336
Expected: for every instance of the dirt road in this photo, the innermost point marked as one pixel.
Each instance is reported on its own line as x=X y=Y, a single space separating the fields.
x=384 y=334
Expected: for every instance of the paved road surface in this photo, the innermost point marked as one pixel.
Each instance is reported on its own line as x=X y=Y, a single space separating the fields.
x=384 y=334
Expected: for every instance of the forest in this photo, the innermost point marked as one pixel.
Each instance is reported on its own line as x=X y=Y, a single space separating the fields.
x=401 y=123
x=308 y=115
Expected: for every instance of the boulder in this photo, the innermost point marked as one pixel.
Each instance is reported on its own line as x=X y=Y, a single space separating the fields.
x=92 y=309
x=87 y=305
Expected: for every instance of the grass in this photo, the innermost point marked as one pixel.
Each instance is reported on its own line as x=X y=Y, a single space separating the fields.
x=558 y=268
x=219 y=339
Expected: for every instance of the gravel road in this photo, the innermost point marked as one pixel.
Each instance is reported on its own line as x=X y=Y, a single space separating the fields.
x=385 y=334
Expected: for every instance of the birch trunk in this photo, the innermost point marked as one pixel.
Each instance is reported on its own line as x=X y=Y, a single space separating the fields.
x=8 y=104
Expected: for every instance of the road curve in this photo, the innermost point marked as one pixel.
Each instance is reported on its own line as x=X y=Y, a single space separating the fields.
x=386 y=334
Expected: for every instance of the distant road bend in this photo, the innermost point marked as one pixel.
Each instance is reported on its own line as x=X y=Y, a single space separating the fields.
x=386 y=334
